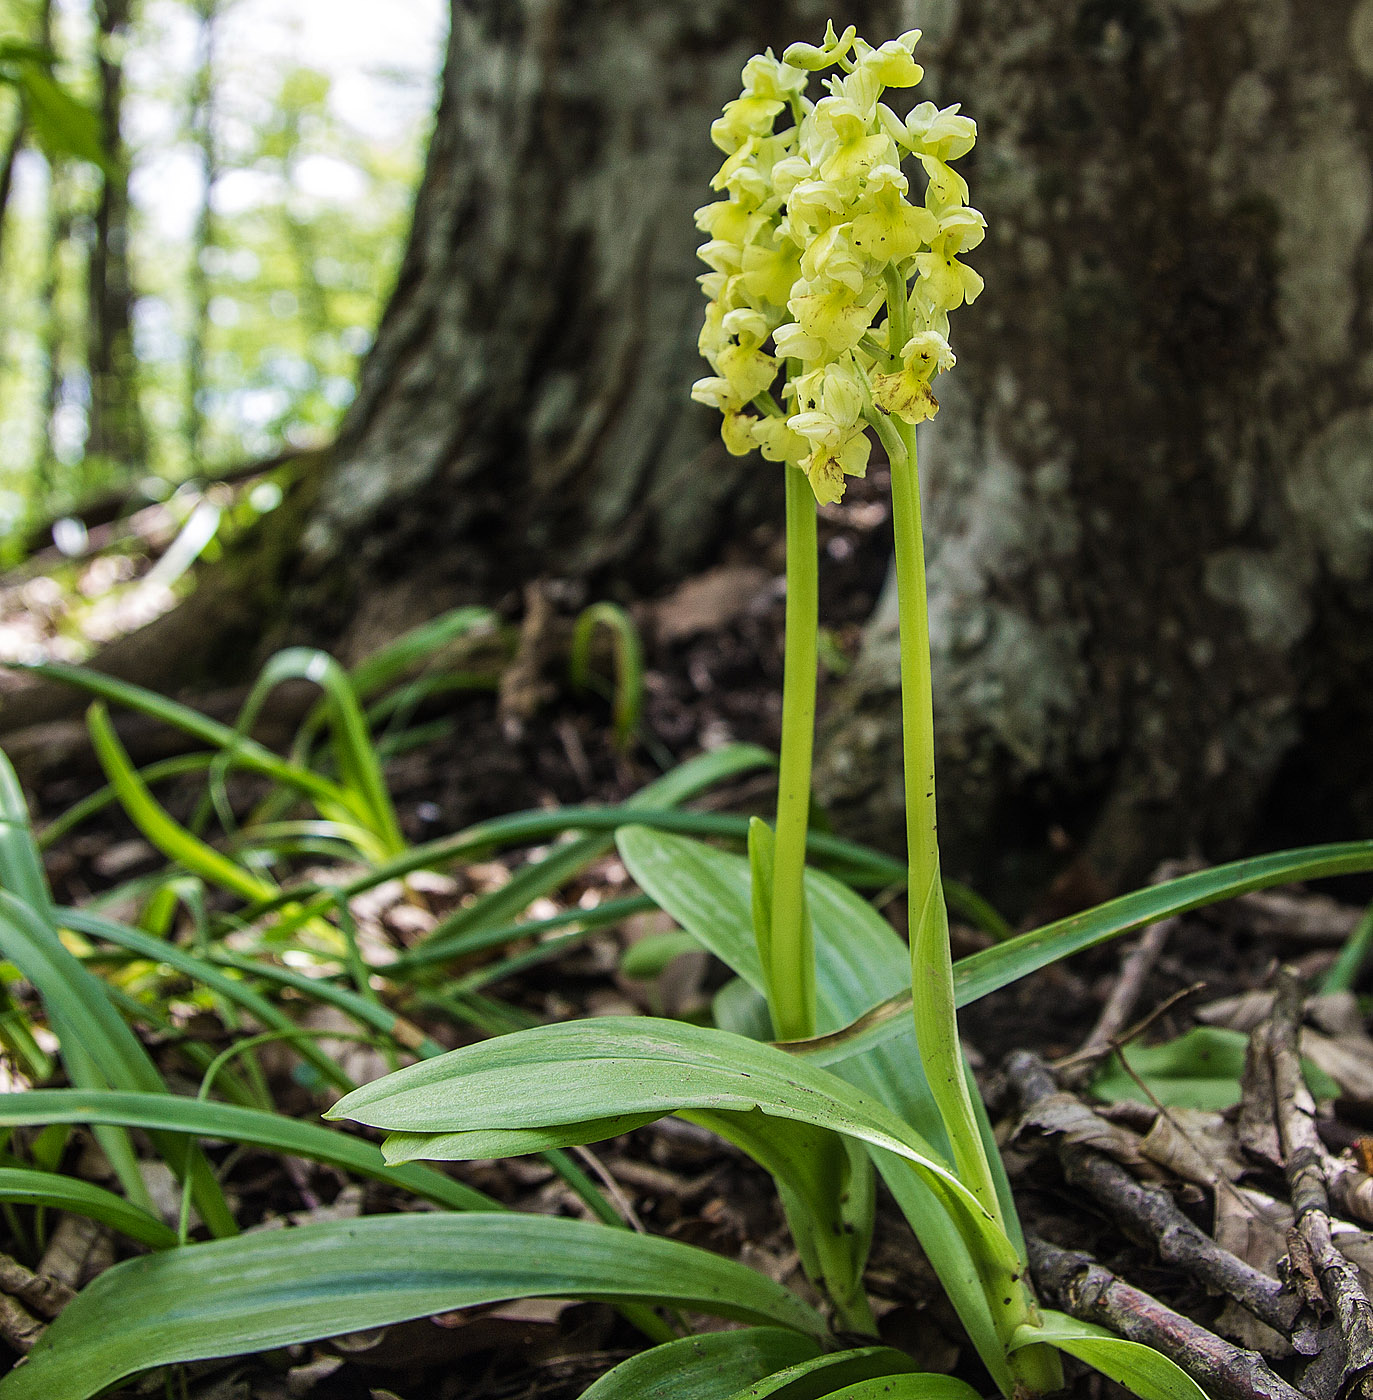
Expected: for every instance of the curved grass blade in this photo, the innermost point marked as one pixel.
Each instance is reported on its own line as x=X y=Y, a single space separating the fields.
x=993 y=968
x=167 y=835
x=247 y=753
x=34 y=1188
x=82 y=811
x=171 y=1113
x=712 y=1366
x=264 y=1291
x=1139 y=1368
x=359 y=768
x=819 y=1377
x=629 y=665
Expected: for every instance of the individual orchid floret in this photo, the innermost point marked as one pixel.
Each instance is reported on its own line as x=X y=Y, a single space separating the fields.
x=939 y=132
x=834 y=50
x=893 y=64
x=906 y=393
x=765 y=77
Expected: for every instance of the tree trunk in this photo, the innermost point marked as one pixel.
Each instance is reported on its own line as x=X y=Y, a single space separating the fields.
x=201 y=129
x=525 y=409
x=1150 y=489
x=115 y=429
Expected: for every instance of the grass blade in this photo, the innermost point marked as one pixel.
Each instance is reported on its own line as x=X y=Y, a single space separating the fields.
x=247 y=753
x=34 y=1188
x=993 y=968
x=168 y=836
x=170 y=1113
x=712 y=1366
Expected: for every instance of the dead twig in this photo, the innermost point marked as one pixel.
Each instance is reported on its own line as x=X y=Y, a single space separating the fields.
x=1135 y=968
x=1149 y=1215
x=1305 y=1162
x=1080 y=1286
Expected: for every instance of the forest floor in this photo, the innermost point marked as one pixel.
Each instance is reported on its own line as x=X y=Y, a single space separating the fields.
x=713 y=653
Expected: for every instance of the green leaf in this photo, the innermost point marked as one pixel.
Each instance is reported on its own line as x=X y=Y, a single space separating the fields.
x=860 y=960
x=927 y=1386
x=34 y=1188
x=993 y=968
x=247 y=753
x=576 y=1071
x=270 y=1290
x=1141 y=1369
x=712 y=1366
x=998 y=967
x=63 y=125
x=1199 y=1069
x=629 y=665
x=97 y=1047
x=820 y=1377
x=170 y=1113
x=233 y=988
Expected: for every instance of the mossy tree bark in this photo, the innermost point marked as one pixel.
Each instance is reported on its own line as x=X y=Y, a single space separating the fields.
x=1150 y=489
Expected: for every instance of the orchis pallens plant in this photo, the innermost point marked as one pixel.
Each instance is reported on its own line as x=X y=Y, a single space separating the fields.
x=819 y=248
x=830 y=293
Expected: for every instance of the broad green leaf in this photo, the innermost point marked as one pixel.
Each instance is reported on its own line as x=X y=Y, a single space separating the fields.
x=816 y=1378
x=762 y=846
x=1199 y=1069
x=860 y=961
x=170 y=1113
x=1141 y=1369
x=941 y=1052
x=270 y=1290
x=478 y=1144
x=33 y=1188
x=711 y=1366
x=926 y=1386
x=575 y=1071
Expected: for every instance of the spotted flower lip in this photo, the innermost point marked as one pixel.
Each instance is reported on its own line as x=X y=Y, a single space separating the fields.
x=815 y=231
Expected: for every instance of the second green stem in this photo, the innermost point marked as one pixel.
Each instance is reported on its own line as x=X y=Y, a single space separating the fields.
x=791 y=958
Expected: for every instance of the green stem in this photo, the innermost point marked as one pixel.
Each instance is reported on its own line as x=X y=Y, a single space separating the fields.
x=790 y=955
x=1034 y=1368
x=931 y=962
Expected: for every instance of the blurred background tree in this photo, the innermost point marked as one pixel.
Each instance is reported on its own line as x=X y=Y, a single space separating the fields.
x=1151 y=484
